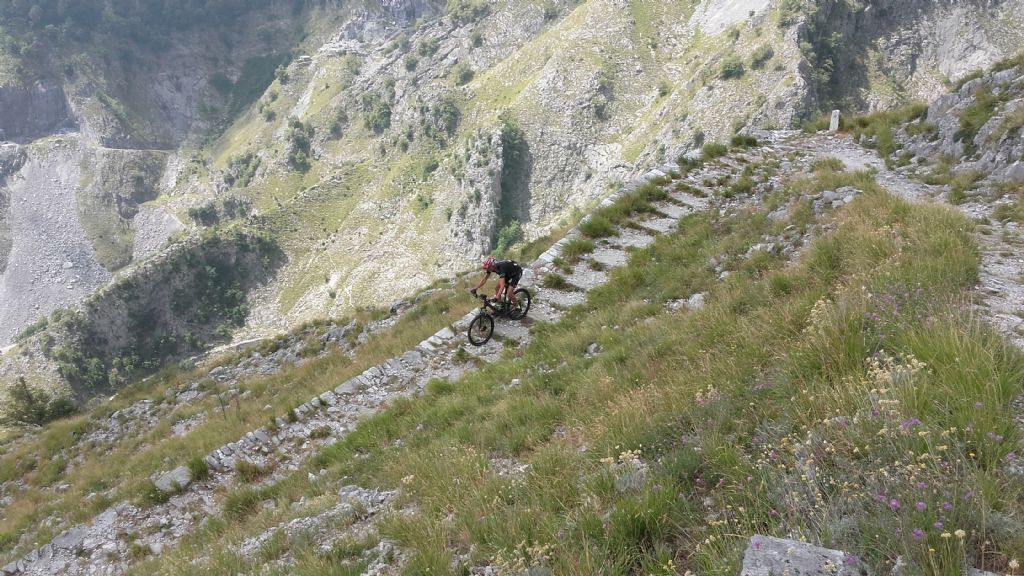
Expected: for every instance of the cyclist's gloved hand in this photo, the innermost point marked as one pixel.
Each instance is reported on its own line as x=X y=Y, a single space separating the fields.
x=472 y=291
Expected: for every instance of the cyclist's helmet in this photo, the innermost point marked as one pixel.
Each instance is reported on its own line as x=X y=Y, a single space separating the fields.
x=489 y=263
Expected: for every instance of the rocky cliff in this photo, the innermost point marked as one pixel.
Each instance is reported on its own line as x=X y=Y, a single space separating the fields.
x=33 y=111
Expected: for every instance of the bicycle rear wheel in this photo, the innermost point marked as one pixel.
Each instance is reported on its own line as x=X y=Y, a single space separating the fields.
x=524 y=300
x=481 y=329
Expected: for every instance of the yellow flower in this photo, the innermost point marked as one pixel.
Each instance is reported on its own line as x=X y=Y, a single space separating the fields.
x=945 y=534
x=1014 y=564
x=960 y=534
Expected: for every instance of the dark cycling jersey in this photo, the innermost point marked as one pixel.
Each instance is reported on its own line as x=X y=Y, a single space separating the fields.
x=510 y=270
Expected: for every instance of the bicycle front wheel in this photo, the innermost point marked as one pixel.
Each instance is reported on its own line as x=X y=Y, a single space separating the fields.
x=481 y=329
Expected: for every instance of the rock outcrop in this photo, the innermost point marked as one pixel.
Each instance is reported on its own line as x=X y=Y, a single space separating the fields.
x=977 y=128
x=33 y=111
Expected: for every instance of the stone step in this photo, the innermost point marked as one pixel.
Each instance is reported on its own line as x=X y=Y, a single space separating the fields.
x=610 y=257
x=631 y=238
x=559 y=298
x=505 y=330
x=660 y=225
x=671 y=210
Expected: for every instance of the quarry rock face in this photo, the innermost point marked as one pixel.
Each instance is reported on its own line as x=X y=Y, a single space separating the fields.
x=33 y=111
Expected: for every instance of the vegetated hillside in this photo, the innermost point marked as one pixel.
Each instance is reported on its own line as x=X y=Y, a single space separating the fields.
x=392 y=147
x=764 y=342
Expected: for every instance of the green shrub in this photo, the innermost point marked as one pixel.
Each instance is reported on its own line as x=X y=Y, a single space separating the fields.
x=299 y=144
x=152 y=496
x=198 y=468
x=732 y=68
x=33 y=329
x=743 y=141
x=713 y=150
x=462 y=73
x=761 y=56
x=556 y=282
x=205 y=214
x=250 y=472
x=1014 y=209
x=790 y=12
x=743 y=185
x=576 y=248
x=877 y=130
x=27 y=406
x=975 y=116
x=507 y=237
x=242 y=169
x=828 y=164
x=376 y=113
x=465 y=11
x=597 y=226
x=428 y=47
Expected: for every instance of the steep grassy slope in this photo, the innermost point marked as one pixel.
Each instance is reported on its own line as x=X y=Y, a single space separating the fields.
x=837 y=399
x=843 y=393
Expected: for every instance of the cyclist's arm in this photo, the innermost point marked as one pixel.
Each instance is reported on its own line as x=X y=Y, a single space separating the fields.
x=483 y=281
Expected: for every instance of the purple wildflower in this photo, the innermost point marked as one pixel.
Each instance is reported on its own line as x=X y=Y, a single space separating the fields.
x=1011 y=456
x=850 y=559
x=918 y=534
x=894 y=504
x=910 y=423
x=922 y=485
x=938 y=525
x=921 y=506
x=947 y=506
x=994 y=437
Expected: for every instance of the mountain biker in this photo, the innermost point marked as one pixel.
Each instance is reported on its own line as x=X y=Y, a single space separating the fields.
x=509 y=272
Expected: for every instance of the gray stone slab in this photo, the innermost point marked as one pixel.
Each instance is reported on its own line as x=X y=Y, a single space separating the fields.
x=174 y=480
x=560 y=299
x=660 y=225
x=610 y=257
x=542 y=311
x=72 y=539
x=632 y=238
x=671 y=210
x=699 y=204
x=412 y=358
x=511 y=330
x=586 y=277
x=347 y=387
x=768 y=556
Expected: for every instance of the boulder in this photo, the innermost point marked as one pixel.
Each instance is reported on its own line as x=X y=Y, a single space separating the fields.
x=173 y=481
x=768 y=556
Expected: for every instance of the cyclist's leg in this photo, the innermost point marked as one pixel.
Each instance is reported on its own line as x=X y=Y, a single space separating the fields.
x=511 y=289
x=500 y=289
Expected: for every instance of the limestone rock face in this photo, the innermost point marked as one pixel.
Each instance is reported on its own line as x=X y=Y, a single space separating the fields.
x=997 y=146
x=33 y=111
x=898 y=50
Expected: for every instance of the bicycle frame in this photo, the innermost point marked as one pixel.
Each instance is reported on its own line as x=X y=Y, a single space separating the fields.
x=488 y=305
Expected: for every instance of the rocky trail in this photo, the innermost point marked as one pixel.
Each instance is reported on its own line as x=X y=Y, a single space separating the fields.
x=105 y=545
x=1000 y=292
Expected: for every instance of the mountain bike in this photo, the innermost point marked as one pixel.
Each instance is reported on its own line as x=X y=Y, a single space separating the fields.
x=482 y=327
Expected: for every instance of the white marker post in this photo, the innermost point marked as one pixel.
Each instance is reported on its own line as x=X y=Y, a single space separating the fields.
x=834 y=125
